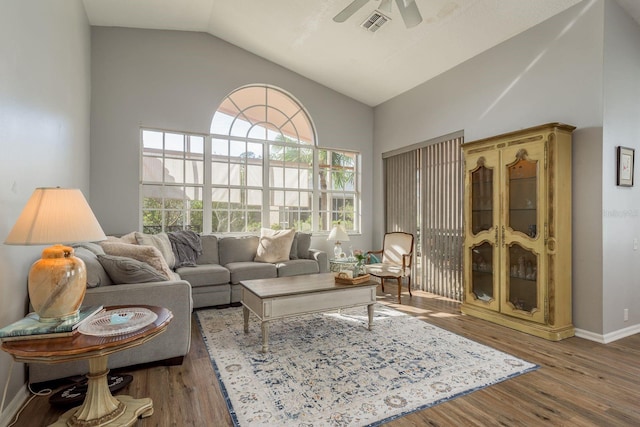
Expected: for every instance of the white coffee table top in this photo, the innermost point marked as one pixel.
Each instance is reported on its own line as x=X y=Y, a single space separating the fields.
x=293 y=285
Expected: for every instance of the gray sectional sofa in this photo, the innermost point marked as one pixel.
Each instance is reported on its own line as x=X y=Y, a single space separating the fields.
x=129 y=278
x=226 y=261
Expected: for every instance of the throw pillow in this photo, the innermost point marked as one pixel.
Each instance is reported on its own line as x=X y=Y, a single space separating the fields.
x=274 y=245
x=96 y=275
x=160 y=241
x=123 y=270
x=293 y=254
x=304 y=244
x=148 y=254
x=127 y=238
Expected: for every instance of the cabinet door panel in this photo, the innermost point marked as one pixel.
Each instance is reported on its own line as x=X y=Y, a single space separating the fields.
x=523 y=289
x=481 y=248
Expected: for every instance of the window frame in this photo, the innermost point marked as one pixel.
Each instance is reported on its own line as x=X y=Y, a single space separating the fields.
x=316 y=220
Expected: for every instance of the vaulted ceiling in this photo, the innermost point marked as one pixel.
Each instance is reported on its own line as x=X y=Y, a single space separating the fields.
x=371 y=67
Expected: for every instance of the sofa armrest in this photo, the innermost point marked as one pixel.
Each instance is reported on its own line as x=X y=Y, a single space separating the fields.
x=321 y=258
x=175 y=342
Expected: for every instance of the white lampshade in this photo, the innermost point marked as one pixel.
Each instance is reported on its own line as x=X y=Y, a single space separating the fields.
x=55 y=215
x=339 y=234
x=58 y=281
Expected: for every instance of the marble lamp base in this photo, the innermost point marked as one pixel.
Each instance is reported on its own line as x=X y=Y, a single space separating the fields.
x=57 y=284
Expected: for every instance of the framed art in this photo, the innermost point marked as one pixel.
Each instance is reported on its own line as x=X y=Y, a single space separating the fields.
x=625 y=166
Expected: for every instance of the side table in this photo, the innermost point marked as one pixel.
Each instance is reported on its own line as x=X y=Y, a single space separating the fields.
x=100 y=408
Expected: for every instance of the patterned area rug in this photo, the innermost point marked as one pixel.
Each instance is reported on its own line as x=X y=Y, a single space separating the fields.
x=327 y=369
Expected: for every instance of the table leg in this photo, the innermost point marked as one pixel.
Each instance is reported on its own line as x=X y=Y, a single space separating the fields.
x=245 y=315
x=265 y=336
x=370 y=313
x=100 y=408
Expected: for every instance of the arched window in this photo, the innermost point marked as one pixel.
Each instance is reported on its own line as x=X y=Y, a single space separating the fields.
x=262 y=171
x=261 y=168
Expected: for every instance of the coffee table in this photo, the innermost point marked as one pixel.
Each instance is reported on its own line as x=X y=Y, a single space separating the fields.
x=100 y=408
x=283 y=297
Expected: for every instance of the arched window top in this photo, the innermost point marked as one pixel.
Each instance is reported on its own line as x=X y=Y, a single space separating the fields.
x=265 y=113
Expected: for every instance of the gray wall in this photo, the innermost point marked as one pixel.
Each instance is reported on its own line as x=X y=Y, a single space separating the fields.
x=176 y=80
x=44 y=130
x=552 y=72
x=621 y=205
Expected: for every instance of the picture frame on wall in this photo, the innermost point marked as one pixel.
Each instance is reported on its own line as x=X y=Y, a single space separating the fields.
x=625 y=166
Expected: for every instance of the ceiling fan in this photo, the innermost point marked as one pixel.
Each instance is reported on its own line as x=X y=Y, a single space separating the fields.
x=408 y=10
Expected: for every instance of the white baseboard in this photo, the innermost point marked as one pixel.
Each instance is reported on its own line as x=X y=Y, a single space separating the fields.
x=610 y=337
x=6 y=417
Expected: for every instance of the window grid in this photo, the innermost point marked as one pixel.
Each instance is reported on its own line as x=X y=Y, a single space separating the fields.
x=172 y=181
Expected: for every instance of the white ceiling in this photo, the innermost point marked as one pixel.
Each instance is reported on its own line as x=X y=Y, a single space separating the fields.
x=370 y=67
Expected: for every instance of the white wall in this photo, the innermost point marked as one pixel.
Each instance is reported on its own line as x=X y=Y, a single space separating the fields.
x=550 y=73
x=621 y=205
x=176 y=80
x=44 y=129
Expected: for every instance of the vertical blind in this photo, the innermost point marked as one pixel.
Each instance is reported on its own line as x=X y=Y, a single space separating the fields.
x=423 y=196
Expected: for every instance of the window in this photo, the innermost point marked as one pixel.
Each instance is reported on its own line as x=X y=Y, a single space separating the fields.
x=259 y=167
x=173 y=176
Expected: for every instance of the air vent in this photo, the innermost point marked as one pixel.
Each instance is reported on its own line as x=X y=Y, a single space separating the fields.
x=375 y=21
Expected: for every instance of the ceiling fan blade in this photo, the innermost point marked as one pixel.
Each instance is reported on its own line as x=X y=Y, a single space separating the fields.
x=346 y=13
x=409 y=12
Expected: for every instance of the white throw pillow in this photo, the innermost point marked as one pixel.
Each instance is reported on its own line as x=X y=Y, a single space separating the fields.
x=274 y=245
x=160 y=241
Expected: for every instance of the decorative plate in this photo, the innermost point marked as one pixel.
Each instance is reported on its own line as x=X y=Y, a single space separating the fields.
x=118 y=322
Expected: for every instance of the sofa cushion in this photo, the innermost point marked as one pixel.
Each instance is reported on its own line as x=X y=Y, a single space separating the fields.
x=204 y=275
x=96 y=275
x=237 y=249
x=251 y=270
x=148 y=254
x=127 y=238
x=159 y=241
x=209 y=250
x=123 y=270
x=304 y=244
x=90 y=246
x=296 y=267
x=274 y=245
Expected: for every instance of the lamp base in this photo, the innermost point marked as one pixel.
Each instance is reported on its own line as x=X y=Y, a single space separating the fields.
x=57 y=284
x=337 y=250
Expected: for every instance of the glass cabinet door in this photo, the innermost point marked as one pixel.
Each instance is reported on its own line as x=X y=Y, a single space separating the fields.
x=523 y=196
x=481 y=199
x=482 y=278
x=522 y=293
x=481 y=248
x=522 y=279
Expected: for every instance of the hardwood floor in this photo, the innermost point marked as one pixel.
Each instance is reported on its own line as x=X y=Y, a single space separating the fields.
x=579 y=383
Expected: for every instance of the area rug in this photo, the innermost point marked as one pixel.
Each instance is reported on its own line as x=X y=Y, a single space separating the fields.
x=328 y=369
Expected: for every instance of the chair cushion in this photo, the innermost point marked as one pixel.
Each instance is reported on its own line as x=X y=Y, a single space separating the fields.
x=395 y=245
x=386 y=270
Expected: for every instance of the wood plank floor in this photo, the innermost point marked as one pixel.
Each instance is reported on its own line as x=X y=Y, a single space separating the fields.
x=580 y=383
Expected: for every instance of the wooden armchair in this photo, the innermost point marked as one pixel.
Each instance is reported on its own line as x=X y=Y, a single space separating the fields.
x=395 y=257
